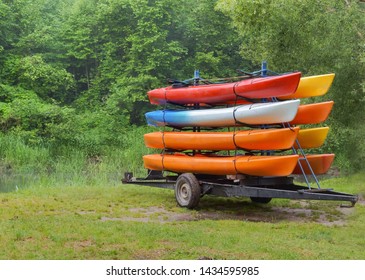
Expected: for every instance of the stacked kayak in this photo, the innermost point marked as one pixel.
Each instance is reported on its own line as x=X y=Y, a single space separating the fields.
x=264 y=87
x=312 y=86
x=258 y=139
x=319 y=164
x=312 y=113
x=309 y=114
x=252 y=114
x=223 y=165
x=258 y=133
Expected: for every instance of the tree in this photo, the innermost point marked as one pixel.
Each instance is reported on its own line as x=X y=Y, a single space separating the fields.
x=90 y=60
x=210 y=40
x=7 y=26
x=314 y=37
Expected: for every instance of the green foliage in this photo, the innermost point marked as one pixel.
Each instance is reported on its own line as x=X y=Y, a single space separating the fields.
x=151 y=51
x=90 y=131
x=304 y=34
x=126 y=92
x=314 y=37
x=89 y=158
x=25 y=113
x=46 y=80
x=211 y=42
x=76 y=73
x=20 y=158
x=6 y=26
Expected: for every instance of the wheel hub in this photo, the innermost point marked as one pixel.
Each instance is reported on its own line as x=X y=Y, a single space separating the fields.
x=184 y=192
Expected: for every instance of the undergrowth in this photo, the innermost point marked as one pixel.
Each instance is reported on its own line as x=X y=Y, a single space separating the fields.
x=23 y=164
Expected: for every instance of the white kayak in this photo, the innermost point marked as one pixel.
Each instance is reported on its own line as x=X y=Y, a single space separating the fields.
x=251 y=114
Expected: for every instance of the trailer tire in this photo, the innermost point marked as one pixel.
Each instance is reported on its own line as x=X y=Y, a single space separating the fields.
x=187 y=190
x=262 y=200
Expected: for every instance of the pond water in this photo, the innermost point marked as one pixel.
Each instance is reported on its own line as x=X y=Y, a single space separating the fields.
x=9 y=183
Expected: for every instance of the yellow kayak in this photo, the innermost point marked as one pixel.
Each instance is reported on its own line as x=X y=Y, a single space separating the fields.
x=312 y=137
x=312 y=86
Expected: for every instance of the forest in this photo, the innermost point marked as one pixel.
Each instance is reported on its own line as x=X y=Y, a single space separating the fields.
x=74 y=73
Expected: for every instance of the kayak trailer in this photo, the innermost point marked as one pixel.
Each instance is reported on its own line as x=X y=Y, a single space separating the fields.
x=189 y=188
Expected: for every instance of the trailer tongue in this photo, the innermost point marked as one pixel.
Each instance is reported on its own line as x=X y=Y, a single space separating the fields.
x=189 y=188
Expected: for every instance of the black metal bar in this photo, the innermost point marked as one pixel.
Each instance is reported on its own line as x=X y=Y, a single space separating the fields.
x=164 y=184
x=298 y=192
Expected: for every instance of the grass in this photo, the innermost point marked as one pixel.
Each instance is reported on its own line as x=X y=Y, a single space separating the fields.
x=115 y=221
x=72 y=205
x=24 y=165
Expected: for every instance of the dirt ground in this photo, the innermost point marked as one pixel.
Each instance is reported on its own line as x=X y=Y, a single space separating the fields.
x=326 y=213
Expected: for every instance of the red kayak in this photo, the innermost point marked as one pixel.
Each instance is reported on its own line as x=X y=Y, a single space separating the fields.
x=253 y=88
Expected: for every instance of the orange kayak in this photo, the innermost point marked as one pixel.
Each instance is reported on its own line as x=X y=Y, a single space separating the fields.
x=223 y=165
x=313 y=113
x=259 y=139
x=319 y=163
x=312 y=137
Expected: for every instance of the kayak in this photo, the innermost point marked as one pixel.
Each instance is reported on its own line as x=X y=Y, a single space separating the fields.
x=320 y=164
x=313 y=113
x=223 y=165
x=258 y=139
x=253 y=114
x=259 y=87
x=312 y=86
x=312 y=137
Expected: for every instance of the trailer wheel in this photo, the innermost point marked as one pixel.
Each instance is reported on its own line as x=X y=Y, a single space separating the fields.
x=187 y=190
x=263 y=200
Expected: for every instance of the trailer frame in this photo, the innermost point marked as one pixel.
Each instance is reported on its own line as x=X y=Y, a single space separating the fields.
x=189 y=188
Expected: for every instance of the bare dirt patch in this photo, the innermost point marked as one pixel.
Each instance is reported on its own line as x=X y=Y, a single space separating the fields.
x=79 y=244
x=151 y=214
x=297 y=211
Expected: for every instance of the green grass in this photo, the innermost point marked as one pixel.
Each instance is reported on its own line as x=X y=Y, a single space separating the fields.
x=65 y=203
x=133 y=222
x=24 y=165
